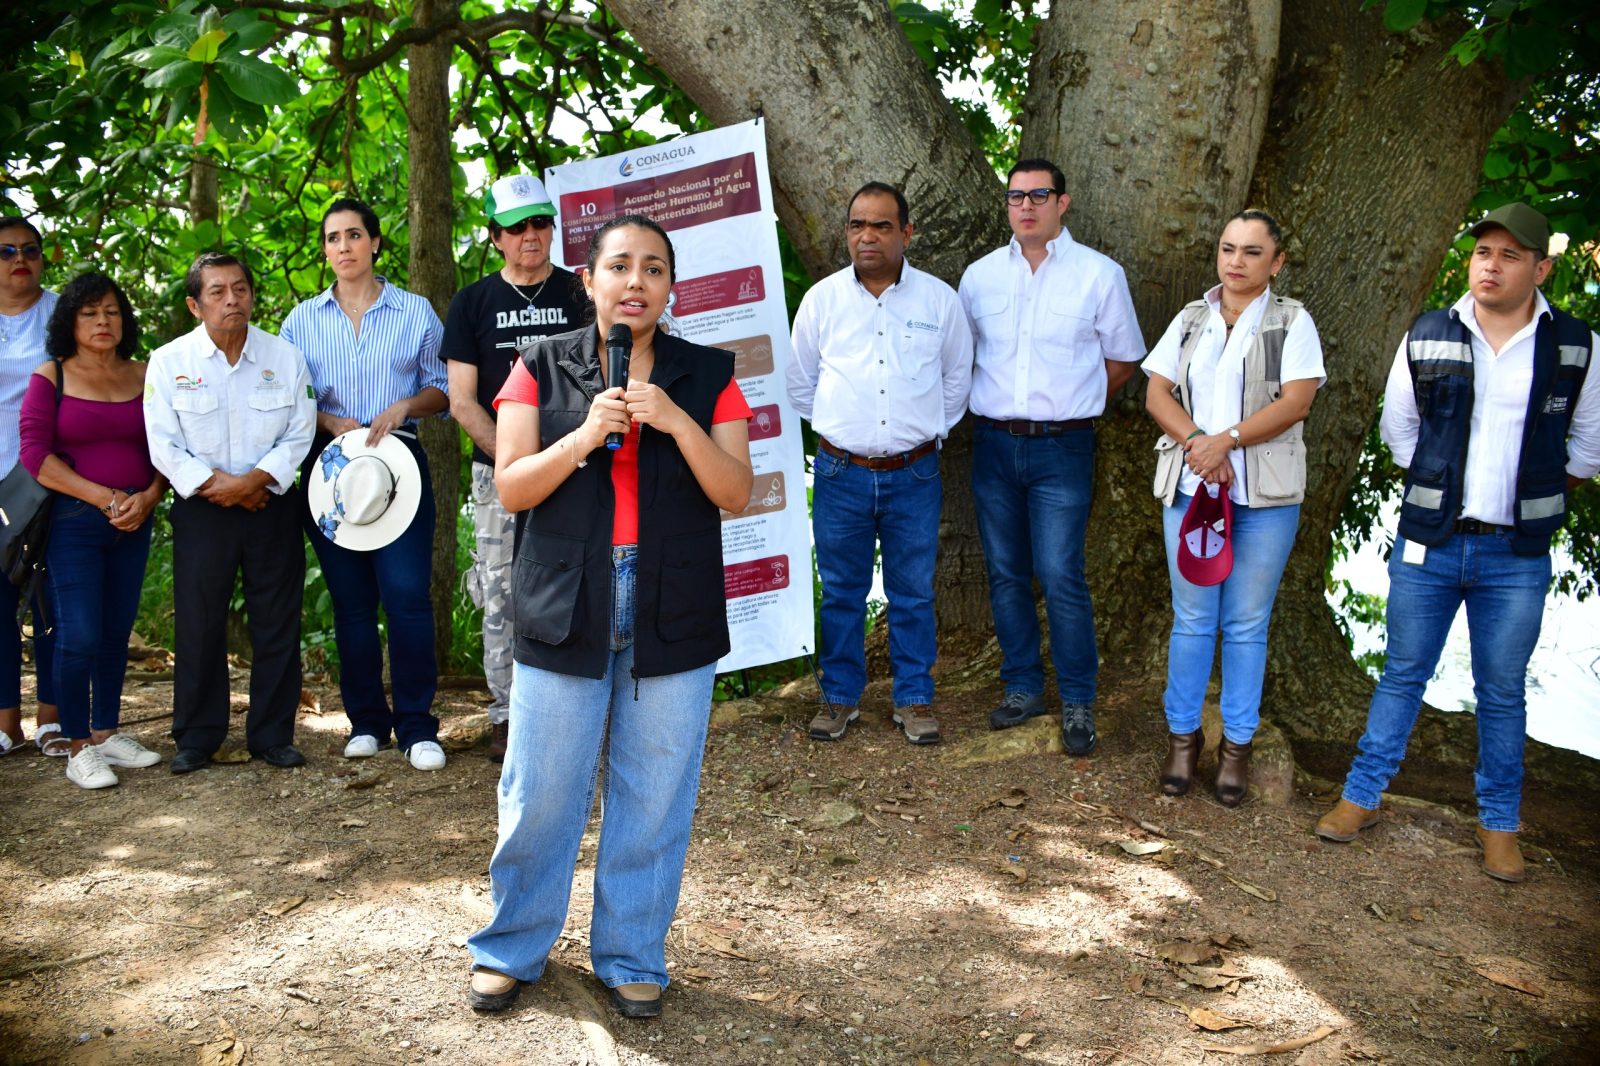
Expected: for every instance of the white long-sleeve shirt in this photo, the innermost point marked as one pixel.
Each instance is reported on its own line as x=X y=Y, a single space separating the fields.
x=880 y=375
x=1500 y=386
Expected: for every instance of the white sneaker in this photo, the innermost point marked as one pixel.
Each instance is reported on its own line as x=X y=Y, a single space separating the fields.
x=361 y=746
x=88 y=769
x=122 y=750
x=426 y=755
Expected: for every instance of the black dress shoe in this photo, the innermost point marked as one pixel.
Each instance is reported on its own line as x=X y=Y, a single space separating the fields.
x=284 y=756
x=188 y=760
x=636 y=1008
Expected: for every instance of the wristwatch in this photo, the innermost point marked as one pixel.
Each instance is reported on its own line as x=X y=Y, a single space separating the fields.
x=1234 y=433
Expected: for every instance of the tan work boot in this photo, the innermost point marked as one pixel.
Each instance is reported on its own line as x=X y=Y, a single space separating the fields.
x=1502 y=859
x=831 y=722
x=1345 y=822
x=919 y=723
x=491 y=990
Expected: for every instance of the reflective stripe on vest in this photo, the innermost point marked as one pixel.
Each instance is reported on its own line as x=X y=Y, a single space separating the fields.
x=1423 y=496
x=1445 y=353
x=1573 y=355
x=1542 y=507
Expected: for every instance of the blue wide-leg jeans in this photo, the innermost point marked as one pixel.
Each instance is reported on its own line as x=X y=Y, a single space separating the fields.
x=1504 y=595
x=651 y=733
x=44 y=650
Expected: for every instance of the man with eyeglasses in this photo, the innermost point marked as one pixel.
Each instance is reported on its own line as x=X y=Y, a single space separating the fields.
x=882 y=363
x=1056 y=334
x=527 y=298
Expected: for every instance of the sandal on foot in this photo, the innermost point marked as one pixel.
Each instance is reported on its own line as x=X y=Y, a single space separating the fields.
x=50 y=741
x=6 y=743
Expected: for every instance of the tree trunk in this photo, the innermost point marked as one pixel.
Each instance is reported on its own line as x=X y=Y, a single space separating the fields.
x=432 y=274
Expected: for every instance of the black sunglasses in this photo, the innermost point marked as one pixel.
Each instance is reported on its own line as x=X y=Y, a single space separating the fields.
x=9 y=252
x=537 y=222
x=1038 y=196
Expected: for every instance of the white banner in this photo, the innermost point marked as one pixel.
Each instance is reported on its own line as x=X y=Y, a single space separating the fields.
x=711 y=193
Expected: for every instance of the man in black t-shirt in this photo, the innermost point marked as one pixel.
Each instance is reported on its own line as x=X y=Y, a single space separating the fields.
x=488 y=321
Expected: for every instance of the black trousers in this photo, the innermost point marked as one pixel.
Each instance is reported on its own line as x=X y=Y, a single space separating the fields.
x=210 y=545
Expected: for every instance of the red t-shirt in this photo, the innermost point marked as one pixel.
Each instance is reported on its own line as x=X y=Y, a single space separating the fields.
x=520 y=387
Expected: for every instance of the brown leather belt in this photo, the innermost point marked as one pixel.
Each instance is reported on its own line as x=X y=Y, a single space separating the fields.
x=878 y=462
x=1020 y=428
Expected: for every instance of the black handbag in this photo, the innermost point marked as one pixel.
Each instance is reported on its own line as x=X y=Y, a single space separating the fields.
x=25 y=520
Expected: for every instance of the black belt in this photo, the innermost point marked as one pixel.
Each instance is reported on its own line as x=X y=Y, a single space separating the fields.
x=1019 y=428
x=1472 y=525
x=878 y=462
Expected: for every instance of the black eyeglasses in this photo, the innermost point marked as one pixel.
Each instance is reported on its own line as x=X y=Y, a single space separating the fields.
x=1038 y=196
x=9 y=252
x=537 y=222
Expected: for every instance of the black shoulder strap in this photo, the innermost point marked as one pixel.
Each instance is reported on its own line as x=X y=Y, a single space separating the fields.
x=61 y=379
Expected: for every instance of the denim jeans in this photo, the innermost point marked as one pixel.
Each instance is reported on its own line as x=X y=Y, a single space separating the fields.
x=44 y=653
x=1032 y=496
x=1241 y=607
x=651 y=733
x=94 y=576
x=398 y=576
x=1504 y=593
x=852 y=509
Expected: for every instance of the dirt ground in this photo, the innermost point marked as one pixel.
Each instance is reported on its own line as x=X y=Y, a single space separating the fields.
x=864 y=901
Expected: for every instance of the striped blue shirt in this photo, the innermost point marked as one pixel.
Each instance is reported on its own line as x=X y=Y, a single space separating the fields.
x=395 y=357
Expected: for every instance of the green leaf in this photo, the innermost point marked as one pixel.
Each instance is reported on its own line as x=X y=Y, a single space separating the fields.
x=1400 y=15
x=174 y=76
x=1498 y=166
x=156 y=56
x=257 y=81
x=253 y=36
x=204 y=49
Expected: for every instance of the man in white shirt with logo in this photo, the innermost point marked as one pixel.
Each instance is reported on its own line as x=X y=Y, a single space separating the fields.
x=882 y=365
x=1056 y=334
x=229 y=413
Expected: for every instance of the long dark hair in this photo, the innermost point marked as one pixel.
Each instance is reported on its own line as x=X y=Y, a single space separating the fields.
x=60 y=338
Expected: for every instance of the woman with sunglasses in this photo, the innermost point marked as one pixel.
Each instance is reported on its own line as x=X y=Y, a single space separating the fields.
x=527 y=298
x=373 y=352
x=25 y=308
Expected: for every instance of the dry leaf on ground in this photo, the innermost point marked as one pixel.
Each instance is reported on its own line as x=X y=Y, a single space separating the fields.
x=1255 y=890
x=1186 y=954
x=716 y=942
x=761 y=997
x=1211 y=1021
x=1507 y=971
x=1141 y=847
x=231 y=755
x=1321 y=1032
x=1023 y=1040
x=282 y=906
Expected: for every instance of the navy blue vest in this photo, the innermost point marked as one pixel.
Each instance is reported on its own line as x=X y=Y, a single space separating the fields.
x=1439 y=354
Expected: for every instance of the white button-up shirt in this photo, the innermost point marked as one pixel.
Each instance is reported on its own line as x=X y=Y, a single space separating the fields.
x=21 y=350
x=880 y=375
x=1216 y=371
x=1044 y=335
x=1500 y=386
x=201 y=414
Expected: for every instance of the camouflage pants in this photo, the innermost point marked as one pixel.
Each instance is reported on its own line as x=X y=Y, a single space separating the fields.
x=489 y=584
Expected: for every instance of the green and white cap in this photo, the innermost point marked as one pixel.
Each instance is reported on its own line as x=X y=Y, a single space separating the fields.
x=516 y=197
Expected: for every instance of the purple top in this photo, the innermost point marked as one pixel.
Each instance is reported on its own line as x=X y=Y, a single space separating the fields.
x=101 y=440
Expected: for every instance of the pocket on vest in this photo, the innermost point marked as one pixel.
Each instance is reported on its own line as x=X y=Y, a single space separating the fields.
x=548 y=577
x=691 y=599
x=1281 y=471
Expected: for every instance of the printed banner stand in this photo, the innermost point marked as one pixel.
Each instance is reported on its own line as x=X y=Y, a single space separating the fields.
x=711 y=192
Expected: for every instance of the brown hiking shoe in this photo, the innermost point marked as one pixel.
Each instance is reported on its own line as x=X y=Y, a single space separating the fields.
x=919 y=723
x=1345 y=822
x=1502 y=859
x=831 y=722
x=500 y=731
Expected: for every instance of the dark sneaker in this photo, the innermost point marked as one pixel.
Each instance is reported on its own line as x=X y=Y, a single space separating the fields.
x=499 y=735
x=919 y=723
x=831 y=722
x=1077 y=728
x=1016 y=708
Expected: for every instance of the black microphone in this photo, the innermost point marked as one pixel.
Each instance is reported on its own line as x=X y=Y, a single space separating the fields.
x=619 y=345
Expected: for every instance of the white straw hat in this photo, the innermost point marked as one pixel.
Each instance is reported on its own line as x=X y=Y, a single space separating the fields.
x=364 y=497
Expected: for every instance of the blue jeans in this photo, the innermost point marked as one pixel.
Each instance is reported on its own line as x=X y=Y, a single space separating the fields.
x=44 y=654
x=398 y=576
x=1241 y=607
x=651 y=732
x=1504 y=593
x=94 y=577
x=1032 y=496
x=852 y=508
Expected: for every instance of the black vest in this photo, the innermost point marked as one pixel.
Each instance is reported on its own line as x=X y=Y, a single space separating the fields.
x=561 y=577
x=1439 y=355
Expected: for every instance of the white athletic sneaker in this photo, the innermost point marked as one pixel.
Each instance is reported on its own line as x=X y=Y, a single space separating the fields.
x=88 y=769
x=361 y=746
x=426 y=755
x=122 y=750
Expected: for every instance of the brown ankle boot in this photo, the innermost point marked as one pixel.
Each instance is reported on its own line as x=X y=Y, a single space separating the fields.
x=1233 y=772
x=1183 y=751
x=1502 y=859
x=1345 y=822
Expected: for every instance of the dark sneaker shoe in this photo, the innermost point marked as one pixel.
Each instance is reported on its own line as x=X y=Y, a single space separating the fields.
x=831 y=722
x=1016 y=708
x=499 y=735
x=1077 y=728
x=919 y=723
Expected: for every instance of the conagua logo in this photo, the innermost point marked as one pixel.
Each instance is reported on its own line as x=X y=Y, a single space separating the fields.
x=650 y=159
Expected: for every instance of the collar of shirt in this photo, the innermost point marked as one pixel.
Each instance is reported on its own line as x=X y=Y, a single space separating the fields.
x=385 y=298
x=1250 y=317
x=893 y=285
x=1055 y=248
x=1466 y=309
x=202 y=346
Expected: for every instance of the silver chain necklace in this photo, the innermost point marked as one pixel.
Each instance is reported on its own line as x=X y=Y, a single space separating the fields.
x=518 y=289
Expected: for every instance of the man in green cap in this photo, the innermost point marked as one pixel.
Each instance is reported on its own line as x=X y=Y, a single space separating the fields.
x=527 y=298
x=1493 y=413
